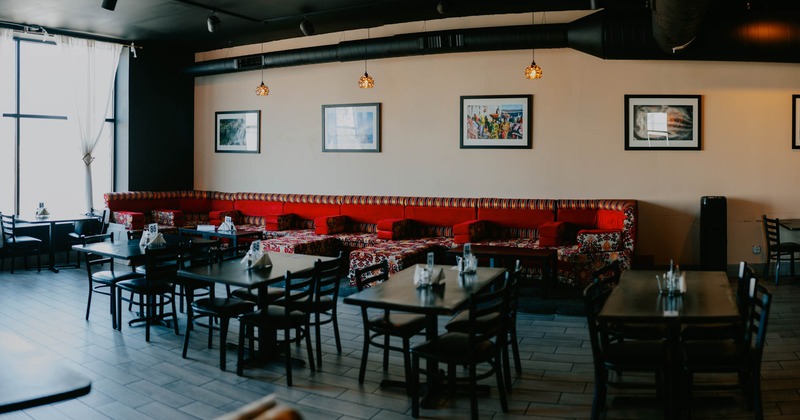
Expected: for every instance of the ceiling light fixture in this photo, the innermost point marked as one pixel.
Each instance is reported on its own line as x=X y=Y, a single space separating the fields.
x=262 y=89
x=366 y=81
x=109 y=4
x=533 y=71
x=306 y=27
x=213 y=22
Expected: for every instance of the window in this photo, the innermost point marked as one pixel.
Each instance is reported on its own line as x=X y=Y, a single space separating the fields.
x=50 y=168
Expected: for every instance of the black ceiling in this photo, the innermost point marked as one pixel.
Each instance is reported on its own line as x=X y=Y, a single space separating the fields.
x=182 y=23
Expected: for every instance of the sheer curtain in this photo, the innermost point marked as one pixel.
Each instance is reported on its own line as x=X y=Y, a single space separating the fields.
x=91 y=67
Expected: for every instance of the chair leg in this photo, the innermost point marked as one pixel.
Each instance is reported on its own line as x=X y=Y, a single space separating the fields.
x=311 y=363
x=287 y=348
x=89 y=300
x=473 y=391
x=386 y=352
x=501 y=389
x=112 y=292
x=174 y=316
x=414 y=388
x=364 y=353
x=335 y=321
x=407 y=359
x=240 y=353
x=223 y=338
x=188 y=331
x=317 y=317
x=147 y=310
x=599 y=401
x=38 y=261
x=515 y=349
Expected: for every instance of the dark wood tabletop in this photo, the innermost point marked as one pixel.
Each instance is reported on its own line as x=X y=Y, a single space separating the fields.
x=234 y=273
x=30 y=377
x=130 y=249
x=399 y=292
x=708 y=298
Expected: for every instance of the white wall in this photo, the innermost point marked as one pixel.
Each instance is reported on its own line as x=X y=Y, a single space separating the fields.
x=578 y=136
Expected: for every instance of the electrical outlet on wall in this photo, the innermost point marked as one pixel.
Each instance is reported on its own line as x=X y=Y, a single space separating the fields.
x=756 y=249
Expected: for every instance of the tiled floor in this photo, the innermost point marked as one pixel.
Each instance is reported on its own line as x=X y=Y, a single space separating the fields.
x=133 y=379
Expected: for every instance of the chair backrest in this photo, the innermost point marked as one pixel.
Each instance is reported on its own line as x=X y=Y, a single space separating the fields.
x=512 y=282
x=367 y=276
x=594 y=297
x=162 y=264
x=89 y=227
x=299 y=290
x=329 y=277
x=746 y=273
x=772 y=231
x=9 y=224
x=481 y=306
x=758 y=317
x=612 y=271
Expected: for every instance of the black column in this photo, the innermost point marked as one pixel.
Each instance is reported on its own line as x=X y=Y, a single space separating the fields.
x=713 y=233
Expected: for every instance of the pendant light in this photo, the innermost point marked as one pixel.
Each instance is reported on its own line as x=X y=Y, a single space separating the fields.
x=262 y=89
x=366 y=81
x=533 y=71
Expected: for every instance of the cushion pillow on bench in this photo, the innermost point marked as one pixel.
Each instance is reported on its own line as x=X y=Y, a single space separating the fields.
x=394 y=229
x=303 y=242
x=328 y=225
x=552 y=234
x=399 y=254
x=599 y=240
x=470 y=231
x=133 y=220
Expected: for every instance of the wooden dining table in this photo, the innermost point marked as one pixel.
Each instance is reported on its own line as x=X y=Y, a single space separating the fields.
x=448 y=297
x=709 y=298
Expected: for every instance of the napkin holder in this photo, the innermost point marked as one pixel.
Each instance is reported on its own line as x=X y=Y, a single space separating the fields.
x=152 y=240
x=425 y=278
x=256 y=260
x=42 y=213
x=226 y=227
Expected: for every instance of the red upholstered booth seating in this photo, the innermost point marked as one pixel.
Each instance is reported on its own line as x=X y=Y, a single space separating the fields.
x=587 y=234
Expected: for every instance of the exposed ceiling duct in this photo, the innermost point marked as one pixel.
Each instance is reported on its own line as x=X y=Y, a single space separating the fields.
x=609 y=34
x=676 y=23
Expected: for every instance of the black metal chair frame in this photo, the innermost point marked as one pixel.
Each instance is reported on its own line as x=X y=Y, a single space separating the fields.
x=95 y=232
x=326 y=298
x=17 y=245
x=483 y=343
x=105 y=282
x=776 y=249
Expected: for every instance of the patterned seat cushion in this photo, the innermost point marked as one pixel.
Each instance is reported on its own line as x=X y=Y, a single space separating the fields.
x=303 y=244
x=399 y=253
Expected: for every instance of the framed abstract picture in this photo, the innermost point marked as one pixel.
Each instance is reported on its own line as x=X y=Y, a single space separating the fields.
x=238 y=132
x=496 y=122
x=351 y=128
x=662 y=122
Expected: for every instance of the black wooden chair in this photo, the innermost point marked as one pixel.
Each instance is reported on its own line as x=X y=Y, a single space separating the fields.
x=487 y=334
x=326 y=299
x=104 y=282
x=612 y=354
x=460 y=323
x=385 y=325
x=86 y=232
x=220 y=308
x=741 y=355
x=16 y=245
x=293 y=314
x=777 y=250
x=156 y=289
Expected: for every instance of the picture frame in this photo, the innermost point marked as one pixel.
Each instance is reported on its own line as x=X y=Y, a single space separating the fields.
x=237 y=132
x=795 y=121
x=663 y=122
x=496 y=122
x=351 y=128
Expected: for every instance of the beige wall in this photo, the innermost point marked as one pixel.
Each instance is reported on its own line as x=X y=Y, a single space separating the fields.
x=577 y=152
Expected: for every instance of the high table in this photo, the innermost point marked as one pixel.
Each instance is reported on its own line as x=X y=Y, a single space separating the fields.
x=51 y=221
x=708 y=299
x=29 y=377
x=451 y=295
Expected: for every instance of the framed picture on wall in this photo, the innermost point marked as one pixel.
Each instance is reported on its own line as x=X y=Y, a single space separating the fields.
x=662 y=122
x=496 y=122
x=351 y=128
x=237 y=132
x=795 y=120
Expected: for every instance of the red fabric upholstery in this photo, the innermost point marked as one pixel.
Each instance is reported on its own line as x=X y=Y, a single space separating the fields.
x=516 y=218
x=328 y=225
x=552 y=234
x=585 y=219
x=279 y=222
x=470 y=231
x=365 y=213
x=133 y=220
x=221 y=205
x=167 y=217
x=259 y=208
x=310 y=211
x=394 y=228
x=610 y=219
x=194 y=205
x=440 y=216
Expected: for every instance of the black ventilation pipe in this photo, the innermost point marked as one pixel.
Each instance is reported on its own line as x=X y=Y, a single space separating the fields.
x=676 y=23
x=607 y=34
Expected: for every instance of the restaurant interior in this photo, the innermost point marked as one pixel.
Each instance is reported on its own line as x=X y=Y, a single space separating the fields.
x=689 y=109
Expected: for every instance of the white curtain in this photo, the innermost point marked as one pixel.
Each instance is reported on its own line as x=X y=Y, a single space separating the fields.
x=91 y=67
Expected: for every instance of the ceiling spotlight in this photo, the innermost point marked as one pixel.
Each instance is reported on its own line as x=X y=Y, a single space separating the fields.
x=213 y=22
x=307 y=27
x=441 y=7
x=109 y=4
